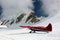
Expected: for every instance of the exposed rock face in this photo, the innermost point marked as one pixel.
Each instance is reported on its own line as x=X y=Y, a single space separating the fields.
x=32 y=17
x=19 y=18
x=34 y=20
x=12 y=22
x=0 y=22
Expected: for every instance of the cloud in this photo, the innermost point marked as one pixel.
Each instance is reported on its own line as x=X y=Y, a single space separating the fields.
x=51 y=7
x=12 y=8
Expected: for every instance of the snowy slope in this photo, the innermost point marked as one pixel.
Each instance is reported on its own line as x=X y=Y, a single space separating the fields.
x=22 y=34
x=0 y=22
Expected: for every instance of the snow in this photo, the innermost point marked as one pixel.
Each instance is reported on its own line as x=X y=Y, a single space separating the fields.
x=51 y=6
x=0 y=22
x=3 y=26
x=22 y=34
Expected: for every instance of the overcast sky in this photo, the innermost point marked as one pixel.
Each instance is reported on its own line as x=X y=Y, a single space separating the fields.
x=12 y=8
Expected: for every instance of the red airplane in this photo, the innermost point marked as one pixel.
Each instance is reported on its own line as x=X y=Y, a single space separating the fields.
x=39 y=28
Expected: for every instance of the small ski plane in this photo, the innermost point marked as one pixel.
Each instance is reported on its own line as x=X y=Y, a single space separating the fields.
x=39 y=28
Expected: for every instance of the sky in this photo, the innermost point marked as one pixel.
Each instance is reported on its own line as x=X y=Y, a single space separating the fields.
x=12 y=8
x=1 y=10
x=38 y=8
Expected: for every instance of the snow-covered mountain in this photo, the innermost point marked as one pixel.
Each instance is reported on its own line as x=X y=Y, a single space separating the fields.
x=20 y=12
x=0 y=22
x=15 y=14
x=22 y=34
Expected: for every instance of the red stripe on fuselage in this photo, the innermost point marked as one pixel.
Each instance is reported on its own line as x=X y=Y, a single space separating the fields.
x=34 y=27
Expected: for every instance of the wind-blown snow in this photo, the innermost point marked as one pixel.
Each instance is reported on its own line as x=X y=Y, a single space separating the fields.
x=13 y=8
x=51 y=6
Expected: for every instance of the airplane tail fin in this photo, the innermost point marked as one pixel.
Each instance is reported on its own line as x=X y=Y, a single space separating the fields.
x=49 y=27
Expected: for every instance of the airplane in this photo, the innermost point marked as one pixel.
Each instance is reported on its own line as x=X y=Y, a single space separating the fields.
x=39 y=28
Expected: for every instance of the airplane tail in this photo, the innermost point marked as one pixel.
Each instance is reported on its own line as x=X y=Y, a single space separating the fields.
x=49 y=27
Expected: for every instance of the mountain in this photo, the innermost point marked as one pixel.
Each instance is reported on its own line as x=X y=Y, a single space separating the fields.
x=14 y=34
x=20 y=20
x=20 y=12
x=0 y=22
